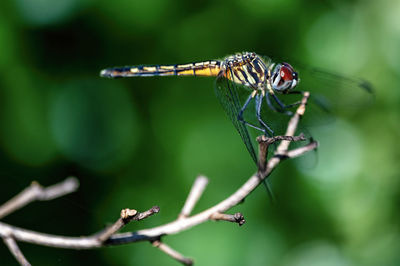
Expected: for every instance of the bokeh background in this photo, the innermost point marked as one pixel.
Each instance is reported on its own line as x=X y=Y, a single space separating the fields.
x=141 y=142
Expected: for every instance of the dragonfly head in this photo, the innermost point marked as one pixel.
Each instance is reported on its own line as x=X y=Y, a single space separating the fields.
x=284 y=78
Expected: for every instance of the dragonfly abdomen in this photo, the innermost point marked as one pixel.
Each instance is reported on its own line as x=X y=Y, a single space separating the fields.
x=205 y=68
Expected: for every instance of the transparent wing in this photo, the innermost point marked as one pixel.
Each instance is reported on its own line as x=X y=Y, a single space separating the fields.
x=228 y=95
x=334 y=92
x=332 y=96
x=232 y=98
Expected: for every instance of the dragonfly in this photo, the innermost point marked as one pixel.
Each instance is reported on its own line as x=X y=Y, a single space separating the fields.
x=248 y=79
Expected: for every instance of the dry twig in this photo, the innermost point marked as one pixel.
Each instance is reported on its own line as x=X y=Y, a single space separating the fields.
x=14 y=249
x=127 y=215
x=194 y=195
x=235 y=218
x=172 y=253
x=36 y=192
x=183 y=222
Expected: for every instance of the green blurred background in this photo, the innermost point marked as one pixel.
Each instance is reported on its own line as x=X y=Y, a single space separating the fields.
x=141 y=142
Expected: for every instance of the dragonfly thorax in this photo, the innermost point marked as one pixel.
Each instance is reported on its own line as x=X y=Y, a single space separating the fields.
x=247 y=69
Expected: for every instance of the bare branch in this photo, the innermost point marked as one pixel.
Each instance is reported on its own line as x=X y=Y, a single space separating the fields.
x=293 y=123
x=194 y=195
x=69 y=185
x=264 y=143
x=299 y=151
x=236 y=218
x=145 y=214
x=20 y=234
x=14 y=249
x=183 y=222
x=88 y=242
x=37 y=192
x=186 y=223
x=172 y=253
x=126 y=217
x=273 y=139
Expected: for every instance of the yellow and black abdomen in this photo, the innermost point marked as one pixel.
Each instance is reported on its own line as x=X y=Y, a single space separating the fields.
x=206 y=68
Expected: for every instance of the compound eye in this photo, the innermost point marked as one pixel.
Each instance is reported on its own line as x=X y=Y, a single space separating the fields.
x=286 y=73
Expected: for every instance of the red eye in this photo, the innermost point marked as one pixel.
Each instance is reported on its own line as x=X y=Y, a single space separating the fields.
x=286 y=73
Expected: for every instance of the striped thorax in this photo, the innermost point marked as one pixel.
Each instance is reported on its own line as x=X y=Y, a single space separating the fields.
x=261 y=75
x=247 y=69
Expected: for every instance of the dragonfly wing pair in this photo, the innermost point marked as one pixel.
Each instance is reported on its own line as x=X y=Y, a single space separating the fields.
x=228 y=95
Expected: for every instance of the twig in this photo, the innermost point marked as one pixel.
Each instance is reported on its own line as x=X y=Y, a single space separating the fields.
x=87 y=242
x=149 y=212
x=264 y=143
x=299 y=151
x=172 y=253
x=194 y=195
x=37 y=192
x=236 y=218
x=14 y=249
x=293 y=122
x=127 y=215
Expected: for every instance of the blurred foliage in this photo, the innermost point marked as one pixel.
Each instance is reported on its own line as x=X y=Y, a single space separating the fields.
x=141 y=142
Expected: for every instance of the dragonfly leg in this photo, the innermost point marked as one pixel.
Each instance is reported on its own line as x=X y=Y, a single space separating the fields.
x=285 y=106
x=241 y=118
x=270 y=105
x=267 y=129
